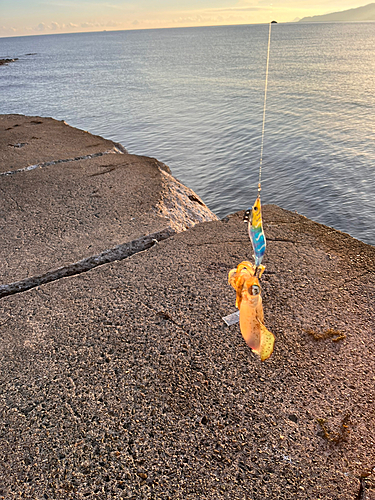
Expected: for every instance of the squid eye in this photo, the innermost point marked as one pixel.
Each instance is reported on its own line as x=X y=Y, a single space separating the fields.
x=254 y=290
x=247 y=215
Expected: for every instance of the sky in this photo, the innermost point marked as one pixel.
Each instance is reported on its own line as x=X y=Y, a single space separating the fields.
x=35 y=17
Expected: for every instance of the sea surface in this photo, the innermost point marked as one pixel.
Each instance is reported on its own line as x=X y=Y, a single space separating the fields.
x=193 y=99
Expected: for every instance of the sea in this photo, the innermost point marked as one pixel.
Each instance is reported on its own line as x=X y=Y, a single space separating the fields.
x=194 y=98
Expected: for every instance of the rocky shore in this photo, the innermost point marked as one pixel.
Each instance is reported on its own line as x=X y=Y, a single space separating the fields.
x=119 y=378
x=7 y=61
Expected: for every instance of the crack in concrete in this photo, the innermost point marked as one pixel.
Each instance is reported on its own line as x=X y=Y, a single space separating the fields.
x=117 y=149
x=282 y=240
x=244 y=240
x=117 y=253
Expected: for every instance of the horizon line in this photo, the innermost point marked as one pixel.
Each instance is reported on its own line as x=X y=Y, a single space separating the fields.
x=148 y=29
x=184 y=27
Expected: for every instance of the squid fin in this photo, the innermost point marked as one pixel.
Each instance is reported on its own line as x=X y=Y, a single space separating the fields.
x=267 y=341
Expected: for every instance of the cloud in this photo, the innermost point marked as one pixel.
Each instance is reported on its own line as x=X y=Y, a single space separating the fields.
x=108 y=24
x=111 y=24
x=7 y=30
x=237 y=9
x=41 y=27
x=54 y=26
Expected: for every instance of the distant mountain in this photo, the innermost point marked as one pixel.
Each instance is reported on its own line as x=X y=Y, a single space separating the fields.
x=365 y=13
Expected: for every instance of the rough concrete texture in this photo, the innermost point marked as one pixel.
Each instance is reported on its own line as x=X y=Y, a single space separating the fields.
x=124 y=382
x=181 y=206
x=30 y=140
x=62 y=212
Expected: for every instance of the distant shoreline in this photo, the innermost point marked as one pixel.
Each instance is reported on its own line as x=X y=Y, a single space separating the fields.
x=365 y=13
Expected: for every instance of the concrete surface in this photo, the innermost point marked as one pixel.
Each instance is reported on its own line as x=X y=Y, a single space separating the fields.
x=31 y=140
x=62 y=212
x=124 y=382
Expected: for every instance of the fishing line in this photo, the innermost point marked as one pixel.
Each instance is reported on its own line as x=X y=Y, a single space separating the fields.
x=264 y=111
x=245 y=277
x=253 y=216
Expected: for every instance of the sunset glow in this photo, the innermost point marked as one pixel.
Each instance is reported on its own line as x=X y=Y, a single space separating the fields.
x=32 y=17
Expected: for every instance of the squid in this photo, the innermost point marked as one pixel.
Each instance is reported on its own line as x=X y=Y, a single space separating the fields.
x=249 y=302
